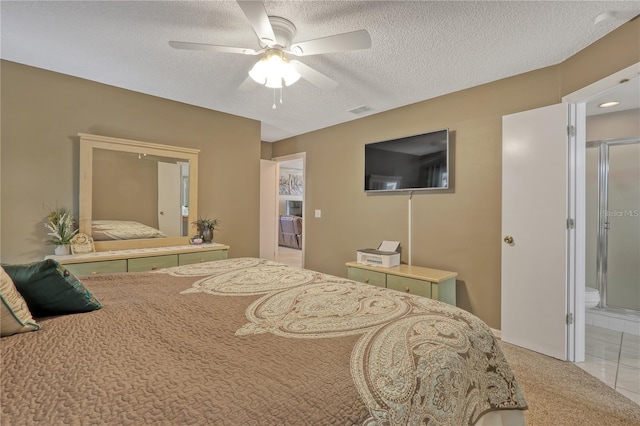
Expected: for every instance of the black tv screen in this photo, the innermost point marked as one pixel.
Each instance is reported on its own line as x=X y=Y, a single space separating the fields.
x=408 y=164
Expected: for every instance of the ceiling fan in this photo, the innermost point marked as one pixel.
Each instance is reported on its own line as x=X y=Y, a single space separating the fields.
x=275 y=36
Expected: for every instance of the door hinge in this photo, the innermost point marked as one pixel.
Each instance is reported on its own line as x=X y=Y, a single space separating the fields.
x=571 y=223
x=569 y=319
x=571 y=130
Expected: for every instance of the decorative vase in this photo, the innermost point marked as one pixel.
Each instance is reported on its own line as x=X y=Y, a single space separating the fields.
x=62 y=250
x=207 y=235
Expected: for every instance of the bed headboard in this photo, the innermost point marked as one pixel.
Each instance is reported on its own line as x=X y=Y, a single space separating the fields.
x=97 y=196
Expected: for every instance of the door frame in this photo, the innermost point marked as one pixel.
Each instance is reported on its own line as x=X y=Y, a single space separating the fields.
x=577 y=194
x=268 y=210
x=297 y=156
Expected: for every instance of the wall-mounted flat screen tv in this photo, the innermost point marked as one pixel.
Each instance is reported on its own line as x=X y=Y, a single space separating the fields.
x=411 y=163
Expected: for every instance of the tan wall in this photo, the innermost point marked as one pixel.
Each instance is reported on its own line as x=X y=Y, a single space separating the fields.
x=125 y=187
x=42 y=113
x=614 y=125
x=612 y=53
x=266 y=149
x=459 y=231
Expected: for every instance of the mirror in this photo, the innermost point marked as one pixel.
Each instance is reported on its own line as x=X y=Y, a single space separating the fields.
x=136 y=194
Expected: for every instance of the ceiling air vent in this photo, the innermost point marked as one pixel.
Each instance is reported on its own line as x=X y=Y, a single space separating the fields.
x=360 y=109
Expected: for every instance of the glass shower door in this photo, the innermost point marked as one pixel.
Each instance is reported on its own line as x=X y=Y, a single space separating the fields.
x=622 y=226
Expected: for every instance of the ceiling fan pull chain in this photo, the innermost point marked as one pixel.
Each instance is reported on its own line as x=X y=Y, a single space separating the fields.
x=281 y=89
x=274 y=99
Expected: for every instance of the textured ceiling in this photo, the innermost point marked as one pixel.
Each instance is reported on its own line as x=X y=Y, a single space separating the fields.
x=420 y=50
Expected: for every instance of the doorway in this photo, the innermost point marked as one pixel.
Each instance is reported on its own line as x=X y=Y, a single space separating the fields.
x=282 y=206
x=290 y=220
x=608 y=333
x=612 y=319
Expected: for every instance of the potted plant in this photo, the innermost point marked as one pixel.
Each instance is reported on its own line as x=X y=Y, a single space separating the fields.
x=205 y=228
x=60 y=224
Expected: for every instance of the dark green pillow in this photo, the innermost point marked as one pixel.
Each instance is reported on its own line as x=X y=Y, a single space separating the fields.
x=50 y=289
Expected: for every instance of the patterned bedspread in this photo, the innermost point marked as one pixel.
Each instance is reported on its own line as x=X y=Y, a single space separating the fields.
x=104 y=230
x=254 y=342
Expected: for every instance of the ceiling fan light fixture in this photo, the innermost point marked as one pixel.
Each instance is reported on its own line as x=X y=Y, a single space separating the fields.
x=259 y=73
x=273 y=82
x=273 y=69
x=290 y=74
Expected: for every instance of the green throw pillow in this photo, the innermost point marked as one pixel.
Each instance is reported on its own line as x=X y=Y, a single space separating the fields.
x=50 y=289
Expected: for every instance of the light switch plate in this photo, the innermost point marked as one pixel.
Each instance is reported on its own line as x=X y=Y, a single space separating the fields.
x=318 y=213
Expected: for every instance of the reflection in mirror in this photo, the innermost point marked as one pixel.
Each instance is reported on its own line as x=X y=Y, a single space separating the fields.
x=136 y=194
x=148 y=189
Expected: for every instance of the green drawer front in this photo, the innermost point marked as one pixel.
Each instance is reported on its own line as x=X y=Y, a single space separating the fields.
x=203 y=256
x=409 y=285
x=92 y=268
x=365 y=276
x=142 y=264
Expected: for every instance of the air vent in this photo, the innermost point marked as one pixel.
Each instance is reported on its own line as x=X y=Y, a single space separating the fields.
x=360 y=109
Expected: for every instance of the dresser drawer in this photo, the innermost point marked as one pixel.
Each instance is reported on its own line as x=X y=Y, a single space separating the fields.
x=141 y=264
x=369 y=277
x=92 y=268
x=409 y=285
x=202 y=256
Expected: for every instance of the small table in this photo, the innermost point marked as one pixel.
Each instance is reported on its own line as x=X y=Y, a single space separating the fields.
x=427 y=282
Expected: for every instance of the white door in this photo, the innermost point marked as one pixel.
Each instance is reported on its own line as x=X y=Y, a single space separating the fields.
x=169 y=204
x=534 y=216
x=268 y=209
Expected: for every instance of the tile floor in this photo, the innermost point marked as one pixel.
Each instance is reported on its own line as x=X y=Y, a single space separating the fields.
x=614 y=358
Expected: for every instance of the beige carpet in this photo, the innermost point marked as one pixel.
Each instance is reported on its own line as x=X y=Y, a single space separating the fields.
x=562 y=394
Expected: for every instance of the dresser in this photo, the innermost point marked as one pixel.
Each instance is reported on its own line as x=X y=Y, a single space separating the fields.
x=140 y=260
x=426 y=282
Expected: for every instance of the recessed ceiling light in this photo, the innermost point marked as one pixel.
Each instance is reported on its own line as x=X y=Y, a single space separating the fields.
x=609 y=104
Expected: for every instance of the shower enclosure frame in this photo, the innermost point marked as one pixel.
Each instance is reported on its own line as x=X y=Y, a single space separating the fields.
x=603 y=224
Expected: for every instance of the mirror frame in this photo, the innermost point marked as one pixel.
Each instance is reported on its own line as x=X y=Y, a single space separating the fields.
x=90 y=142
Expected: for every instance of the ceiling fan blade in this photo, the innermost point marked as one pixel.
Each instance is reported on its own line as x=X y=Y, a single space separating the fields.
x=336 y=43
x=314 y=77
x=185 y=45
x=259 y=20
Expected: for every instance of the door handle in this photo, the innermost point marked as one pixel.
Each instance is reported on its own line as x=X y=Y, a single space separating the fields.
x=162 y=213
x=508 y=239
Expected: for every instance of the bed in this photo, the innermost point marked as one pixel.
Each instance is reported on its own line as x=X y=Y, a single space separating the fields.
x=253 y=342
x=105 y=230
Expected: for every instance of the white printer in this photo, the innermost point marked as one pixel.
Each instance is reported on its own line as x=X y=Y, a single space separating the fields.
x=386 y=255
